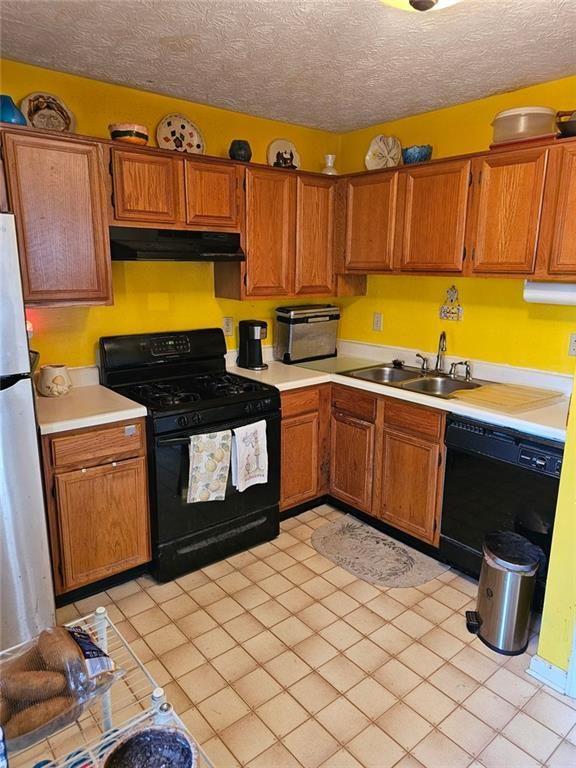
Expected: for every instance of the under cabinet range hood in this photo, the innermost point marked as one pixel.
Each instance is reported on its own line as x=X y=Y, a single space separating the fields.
x=136 y=244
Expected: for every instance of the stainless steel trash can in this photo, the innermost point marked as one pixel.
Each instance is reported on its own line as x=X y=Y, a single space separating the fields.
x=507 y=578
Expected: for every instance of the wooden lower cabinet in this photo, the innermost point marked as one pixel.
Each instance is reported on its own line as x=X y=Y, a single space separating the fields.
x=352 y=454
x=304 y=449
x=410 y=472
x=352 y=439
x=97 y=503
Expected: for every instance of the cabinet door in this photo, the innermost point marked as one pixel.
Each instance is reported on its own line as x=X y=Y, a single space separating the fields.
x=563 y=257
x=351 y=460
x=103 y=520
x=434 y=216
x=146 y=187
x=270 y=230
x=409 y=497
x=508 y=192
x=371 y=208
x=211 y=194
x=56 y=190
x=315 y=202
x=300 y=459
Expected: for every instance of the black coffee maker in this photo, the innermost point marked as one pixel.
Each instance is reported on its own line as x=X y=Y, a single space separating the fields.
x=251 y=333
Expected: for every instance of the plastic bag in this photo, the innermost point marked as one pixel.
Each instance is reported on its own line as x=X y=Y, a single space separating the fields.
x=46 y=683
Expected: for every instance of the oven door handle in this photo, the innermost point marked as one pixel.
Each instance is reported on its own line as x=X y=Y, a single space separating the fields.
x=173 y=441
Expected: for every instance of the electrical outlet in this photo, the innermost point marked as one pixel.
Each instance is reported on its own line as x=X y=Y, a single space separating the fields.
x=228 y=326
x=377 y=321
x=572 y=345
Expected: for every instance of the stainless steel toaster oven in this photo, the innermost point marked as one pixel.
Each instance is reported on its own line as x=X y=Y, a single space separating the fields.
x=305 y=332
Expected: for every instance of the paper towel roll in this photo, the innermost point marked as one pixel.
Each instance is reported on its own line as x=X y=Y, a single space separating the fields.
x=550 y=293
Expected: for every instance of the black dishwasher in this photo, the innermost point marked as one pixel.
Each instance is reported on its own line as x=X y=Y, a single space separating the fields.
x=497 y=479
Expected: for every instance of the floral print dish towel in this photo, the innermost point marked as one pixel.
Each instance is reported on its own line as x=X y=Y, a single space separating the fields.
x=209 y=466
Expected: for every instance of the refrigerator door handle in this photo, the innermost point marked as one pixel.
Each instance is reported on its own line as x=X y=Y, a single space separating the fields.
x=9 y=381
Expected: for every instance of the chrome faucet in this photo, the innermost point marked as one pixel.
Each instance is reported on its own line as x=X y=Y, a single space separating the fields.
x=424 y=364
x=439 y=367
x=467 y=370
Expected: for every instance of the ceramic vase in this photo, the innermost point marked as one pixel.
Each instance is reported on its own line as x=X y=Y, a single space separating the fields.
x=9 y=112
x=240 y=150
x=53 y=381
x=329 y=169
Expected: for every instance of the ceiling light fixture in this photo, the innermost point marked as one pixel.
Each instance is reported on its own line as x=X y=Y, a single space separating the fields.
x=420 y=5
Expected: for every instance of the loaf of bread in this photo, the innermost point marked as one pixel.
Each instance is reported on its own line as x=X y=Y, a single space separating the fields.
x=32 y=686
x=5 y=709
x=61 y=709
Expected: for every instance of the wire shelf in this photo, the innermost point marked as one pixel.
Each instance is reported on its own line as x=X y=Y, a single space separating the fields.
x=132 y=700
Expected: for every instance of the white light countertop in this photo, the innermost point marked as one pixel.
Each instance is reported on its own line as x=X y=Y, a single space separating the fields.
x=84 y=406
x=548 y=422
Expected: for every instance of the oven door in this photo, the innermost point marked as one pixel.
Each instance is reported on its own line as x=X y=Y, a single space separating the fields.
x=175 y=518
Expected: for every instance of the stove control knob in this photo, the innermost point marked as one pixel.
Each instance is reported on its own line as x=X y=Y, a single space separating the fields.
x=182 y=421
x=249 y=408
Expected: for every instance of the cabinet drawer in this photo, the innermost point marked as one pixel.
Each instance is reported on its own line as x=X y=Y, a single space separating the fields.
x=355 y=402
x=300 y=401
x=91 y=447
x=414 y=419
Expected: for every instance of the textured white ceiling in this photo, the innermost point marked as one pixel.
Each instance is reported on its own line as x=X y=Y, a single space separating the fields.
x=332 y=64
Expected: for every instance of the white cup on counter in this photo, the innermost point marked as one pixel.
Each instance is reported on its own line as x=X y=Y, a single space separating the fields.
x=53 y=381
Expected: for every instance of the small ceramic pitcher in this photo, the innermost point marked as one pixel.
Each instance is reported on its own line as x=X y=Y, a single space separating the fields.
x=53 y=381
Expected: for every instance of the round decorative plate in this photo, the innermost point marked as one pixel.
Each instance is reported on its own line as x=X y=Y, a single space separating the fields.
x=44 y=110
x=383 y=152
x=282 y=153
x=180 y=134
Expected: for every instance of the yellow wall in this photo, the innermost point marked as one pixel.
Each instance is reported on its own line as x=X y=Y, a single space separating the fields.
x=497 y=324
x=150 y=297
x=559 y=615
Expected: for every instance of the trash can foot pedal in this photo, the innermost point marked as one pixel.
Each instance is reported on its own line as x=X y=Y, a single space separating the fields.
x=473 y=622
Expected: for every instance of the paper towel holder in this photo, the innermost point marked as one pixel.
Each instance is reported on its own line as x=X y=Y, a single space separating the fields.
x=537 y=292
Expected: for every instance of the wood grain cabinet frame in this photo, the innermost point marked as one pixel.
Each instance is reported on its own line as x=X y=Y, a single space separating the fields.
x=213 y=193
x=305 y=445
x=56 y=190
x=562 y=259
x=314 y=256
x=146 y=186
x=97 y=502
x=433 y=216
x=508 y=194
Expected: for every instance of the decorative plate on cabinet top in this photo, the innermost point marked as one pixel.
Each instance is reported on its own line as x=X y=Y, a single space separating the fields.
x=44 y=110
x=282 y=153
x=383 y=152
x=180 y=134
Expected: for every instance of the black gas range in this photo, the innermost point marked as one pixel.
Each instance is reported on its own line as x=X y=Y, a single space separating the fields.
x=182 y=380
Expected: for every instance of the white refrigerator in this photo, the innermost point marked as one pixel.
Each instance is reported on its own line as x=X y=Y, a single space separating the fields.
x=26 y=589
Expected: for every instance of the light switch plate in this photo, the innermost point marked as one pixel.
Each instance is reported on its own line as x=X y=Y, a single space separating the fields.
x=377 y=321
x=228 y=326
x=572 y=345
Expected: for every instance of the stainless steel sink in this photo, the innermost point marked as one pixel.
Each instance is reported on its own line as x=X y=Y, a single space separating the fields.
x=386 y=374
x=439 y=386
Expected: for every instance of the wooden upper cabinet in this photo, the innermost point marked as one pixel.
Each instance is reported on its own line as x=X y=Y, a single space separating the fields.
x=563 y=256
x=434 y=216
x=56 y=191
x=212 y=194
x=146 y=186
x=270 y=232
x=371 y=219
x=508 y=193
x=315 y=212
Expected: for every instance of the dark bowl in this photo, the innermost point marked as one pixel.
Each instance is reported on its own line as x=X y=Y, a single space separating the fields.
x=567 y=127
x=418 y=153
x=153 y=747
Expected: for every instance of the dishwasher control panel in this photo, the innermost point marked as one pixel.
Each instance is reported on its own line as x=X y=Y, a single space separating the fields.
x=540 y=461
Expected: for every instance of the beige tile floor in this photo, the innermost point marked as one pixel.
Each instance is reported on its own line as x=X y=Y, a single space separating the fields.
x=276 y=658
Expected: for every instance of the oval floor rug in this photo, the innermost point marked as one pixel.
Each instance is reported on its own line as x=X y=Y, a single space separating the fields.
x=374 y=556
